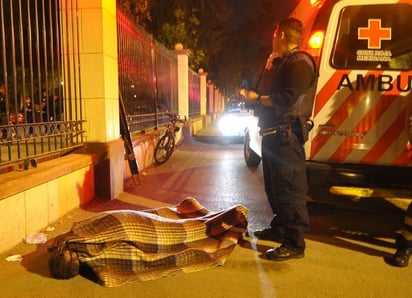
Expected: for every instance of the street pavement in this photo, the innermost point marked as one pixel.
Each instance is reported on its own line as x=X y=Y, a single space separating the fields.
x=344 y=256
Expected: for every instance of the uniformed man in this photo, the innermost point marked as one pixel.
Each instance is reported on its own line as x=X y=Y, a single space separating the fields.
x=292 y=86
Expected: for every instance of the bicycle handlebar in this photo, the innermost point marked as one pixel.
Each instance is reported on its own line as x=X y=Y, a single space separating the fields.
x=173 y=116
x=176 y=117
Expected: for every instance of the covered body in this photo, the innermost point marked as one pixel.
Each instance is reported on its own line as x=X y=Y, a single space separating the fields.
x=126 y=245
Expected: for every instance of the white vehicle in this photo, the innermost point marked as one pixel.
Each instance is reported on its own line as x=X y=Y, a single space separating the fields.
x=362 y=138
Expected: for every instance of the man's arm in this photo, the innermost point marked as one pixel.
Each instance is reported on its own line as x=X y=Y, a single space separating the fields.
x=297 y=78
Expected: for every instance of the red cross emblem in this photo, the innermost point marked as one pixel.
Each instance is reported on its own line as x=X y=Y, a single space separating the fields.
x=374 y=33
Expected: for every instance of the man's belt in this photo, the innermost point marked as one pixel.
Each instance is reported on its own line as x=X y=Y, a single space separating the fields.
x=274 y=129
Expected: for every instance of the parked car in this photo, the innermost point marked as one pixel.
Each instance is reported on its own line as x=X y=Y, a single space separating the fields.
x=235 y=123
x=235 y=105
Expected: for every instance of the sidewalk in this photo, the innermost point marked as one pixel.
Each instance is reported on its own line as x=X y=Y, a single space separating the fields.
x=343 y=256
x=25 y=266
x=29 y=276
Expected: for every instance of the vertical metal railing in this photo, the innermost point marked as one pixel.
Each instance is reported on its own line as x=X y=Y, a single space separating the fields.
x=40 y=112
x=194 y=94
x=148 y=78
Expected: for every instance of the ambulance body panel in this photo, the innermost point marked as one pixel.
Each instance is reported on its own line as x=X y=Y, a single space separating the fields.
x=363 y=105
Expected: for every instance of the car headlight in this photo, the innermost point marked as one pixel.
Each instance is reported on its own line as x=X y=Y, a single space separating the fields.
x=230 y=125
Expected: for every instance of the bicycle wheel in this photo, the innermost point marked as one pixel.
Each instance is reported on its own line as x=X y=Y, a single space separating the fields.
x=164 y=149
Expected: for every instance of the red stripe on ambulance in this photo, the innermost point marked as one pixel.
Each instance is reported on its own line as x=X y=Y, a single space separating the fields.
x=386 y=139
x=363 y=126
x=326 y=93
x=340 y=114
x=351 y=136
x=323 y=96
x=393 y=132
x=403 y=159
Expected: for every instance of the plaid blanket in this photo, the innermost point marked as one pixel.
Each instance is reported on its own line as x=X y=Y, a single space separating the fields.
x=125 y=246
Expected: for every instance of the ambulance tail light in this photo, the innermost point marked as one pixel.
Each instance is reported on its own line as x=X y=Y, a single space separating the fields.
x=315 y=2
x=315 y=43
x=409 y=151
x=316 y=40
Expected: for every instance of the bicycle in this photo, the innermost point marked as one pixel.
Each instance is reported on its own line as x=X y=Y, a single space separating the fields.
x=166 y=144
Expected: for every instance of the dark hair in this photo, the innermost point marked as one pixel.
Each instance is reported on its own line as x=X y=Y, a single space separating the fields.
x=64 y=264
x=293 y=29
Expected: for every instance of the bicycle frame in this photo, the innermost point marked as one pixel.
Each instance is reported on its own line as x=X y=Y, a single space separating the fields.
x=166 y=144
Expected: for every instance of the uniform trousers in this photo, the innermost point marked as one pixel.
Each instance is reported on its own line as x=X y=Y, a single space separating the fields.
x=285 y=179
x=405 y=238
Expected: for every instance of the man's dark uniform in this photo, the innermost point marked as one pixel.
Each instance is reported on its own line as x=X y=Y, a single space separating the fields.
x=291 y=81
x=403 y=242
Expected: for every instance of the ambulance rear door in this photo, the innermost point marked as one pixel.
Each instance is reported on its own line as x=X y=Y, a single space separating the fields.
x=362 y=111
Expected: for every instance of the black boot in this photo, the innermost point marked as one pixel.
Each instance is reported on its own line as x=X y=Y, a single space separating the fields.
x=401 y=257
x=272 y=234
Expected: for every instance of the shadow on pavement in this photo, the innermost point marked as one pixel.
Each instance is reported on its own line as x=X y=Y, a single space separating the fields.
x=368 y=231
x=37 y=260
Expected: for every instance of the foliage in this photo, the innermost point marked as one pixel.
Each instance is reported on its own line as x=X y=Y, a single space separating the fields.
x=229 y=54
x=183 y=29
x=197 y=24
x=138 y=10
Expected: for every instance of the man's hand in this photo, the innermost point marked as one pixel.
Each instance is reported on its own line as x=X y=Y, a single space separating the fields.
x=249 y=95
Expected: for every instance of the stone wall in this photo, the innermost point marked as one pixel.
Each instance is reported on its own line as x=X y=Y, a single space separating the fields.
x=31 y=200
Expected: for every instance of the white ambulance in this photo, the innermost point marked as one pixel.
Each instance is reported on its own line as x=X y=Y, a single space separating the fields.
x=362 y=138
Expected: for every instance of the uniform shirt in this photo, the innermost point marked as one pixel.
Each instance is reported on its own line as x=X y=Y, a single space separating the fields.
x=292 y=77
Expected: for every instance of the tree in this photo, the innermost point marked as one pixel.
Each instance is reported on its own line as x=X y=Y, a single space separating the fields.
x=138 y=10
x=198 y=24
x=183 y=28
x=228 y=53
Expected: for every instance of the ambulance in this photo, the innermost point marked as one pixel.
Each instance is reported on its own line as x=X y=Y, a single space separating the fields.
x=361 y=142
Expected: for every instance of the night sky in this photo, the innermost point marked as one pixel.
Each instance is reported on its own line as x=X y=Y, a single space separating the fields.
x=248 y=13
x=248 y=9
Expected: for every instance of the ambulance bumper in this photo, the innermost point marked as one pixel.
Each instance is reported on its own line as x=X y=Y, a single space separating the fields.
x=365 y=192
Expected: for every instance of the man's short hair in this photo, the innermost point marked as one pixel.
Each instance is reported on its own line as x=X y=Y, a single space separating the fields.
x=65 y=264
x=293 y=29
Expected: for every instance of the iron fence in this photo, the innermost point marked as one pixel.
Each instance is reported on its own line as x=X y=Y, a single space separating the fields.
x=148 y=78
x=194 y=94
x=40 y=91
x=39 y=115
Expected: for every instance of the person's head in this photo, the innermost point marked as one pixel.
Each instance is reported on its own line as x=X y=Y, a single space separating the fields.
x=287 y=35
x=65 y=264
